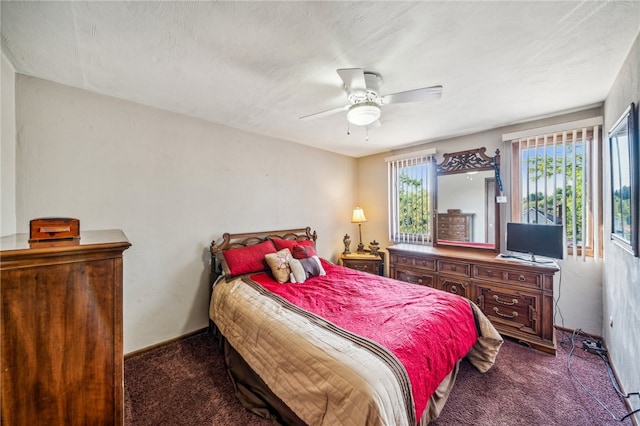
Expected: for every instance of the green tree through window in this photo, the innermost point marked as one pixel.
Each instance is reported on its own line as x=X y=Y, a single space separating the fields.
x=562 y=177
x=556 y=179
x=410 y=191
x=414 y=206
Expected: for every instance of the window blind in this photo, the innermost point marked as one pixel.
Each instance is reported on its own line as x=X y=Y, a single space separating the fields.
x=556 y=180
x=410 y=189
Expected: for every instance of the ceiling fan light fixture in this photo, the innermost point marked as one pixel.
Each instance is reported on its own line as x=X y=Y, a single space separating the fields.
x=363 y=113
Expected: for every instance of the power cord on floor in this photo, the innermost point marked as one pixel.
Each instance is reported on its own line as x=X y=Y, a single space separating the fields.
x=614 y=382
x=602 y=355
x=557 y=299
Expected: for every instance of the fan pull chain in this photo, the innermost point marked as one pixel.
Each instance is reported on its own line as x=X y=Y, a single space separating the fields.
x=366 y=132
x=348 y=129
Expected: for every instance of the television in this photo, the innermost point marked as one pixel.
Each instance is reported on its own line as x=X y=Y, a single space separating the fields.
x=536 y=240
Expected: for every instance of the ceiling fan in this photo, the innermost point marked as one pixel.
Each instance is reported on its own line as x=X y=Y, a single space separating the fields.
x=365 y=102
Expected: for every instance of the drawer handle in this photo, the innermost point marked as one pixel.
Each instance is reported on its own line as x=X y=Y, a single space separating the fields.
x=453 y=268
x=454 y=289
x=420 y=281
x=497 y=311
x=404 y=260
x=489 y=273
x=424 y=263
x=521 y=278
x=502 y=302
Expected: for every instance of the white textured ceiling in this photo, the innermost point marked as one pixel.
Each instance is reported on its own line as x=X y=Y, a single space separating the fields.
x=259 y=66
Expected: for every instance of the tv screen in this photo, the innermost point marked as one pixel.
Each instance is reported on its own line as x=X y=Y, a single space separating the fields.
x=535 y=239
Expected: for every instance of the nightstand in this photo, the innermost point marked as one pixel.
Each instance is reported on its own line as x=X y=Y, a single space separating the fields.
x=363 y=262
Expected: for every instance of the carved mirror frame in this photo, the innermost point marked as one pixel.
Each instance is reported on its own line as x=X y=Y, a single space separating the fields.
x=473 y=160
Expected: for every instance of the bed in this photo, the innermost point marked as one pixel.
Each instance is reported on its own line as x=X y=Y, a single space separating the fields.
x=307 y=342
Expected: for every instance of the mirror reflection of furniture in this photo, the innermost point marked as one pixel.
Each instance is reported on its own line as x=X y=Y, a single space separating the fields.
x=465 y=200
x=359 y=218
x=455 y=226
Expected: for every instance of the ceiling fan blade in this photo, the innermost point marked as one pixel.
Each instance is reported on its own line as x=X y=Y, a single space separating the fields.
x=432 y=93
x=353 y=79
x=324 y=113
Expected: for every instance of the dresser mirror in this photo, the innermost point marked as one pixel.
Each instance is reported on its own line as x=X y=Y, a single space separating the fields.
x=467 y=212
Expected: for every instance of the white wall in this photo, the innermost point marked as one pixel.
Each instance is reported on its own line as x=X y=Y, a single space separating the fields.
x=7 y=148
x=622 y=271
x=578 y=287
x=172 y=184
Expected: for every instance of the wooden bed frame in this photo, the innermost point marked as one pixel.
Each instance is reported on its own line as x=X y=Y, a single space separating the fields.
x=252 y=391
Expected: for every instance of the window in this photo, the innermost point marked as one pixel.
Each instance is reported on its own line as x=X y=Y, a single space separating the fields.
x=411 y=197
x=556 y=180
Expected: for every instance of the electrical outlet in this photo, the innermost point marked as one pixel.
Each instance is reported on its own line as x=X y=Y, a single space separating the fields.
x=501 y=199
x=593 y=347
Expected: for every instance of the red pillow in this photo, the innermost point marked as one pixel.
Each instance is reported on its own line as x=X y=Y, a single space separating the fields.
x=289 y=244
x=250 y=259
x=301 y=251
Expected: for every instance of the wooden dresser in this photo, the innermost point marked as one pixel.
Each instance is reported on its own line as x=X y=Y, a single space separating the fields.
x=455 y=226
x=516 y=296
x=62 y=354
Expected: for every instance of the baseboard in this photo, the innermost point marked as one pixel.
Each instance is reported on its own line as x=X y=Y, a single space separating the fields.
x=580 y=333
x=164 y=343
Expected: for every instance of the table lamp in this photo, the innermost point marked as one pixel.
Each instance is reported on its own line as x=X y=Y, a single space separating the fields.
x=359 y=217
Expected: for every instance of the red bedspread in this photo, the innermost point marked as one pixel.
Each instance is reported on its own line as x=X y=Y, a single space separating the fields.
x=427 y=330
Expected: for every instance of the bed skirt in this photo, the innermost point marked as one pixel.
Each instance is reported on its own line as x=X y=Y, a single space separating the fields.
x=255 y=395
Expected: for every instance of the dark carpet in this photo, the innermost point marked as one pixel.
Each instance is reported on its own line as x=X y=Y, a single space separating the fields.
x=185 y=383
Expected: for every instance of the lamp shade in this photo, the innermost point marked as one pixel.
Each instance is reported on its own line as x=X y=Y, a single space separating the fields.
x=364 y=113
x=358 y=215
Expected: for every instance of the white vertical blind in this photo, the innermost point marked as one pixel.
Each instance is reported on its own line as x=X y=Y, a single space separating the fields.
x=410 y=189
x=558 y=175
x=595 y=191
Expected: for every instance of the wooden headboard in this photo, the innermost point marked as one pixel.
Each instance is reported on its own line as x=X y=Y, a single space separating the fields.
x=230 y=241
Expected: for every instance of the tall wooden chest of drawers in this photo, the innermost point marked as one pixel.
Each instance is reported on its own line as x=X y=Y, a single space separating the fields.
x=455 y=226
x=61 y=315
x=517 y=297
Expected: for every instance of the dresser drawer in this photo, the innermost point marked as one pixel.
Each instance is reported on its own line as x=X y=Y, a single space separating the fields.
x=414 y=277
x=510 y=309
x=414 y=261
x=446 y=218
x=455 y=285
x=528 y=279
x=452 y=227
x=454 y=268
x=523 y=279
x=452 y=235
x=370 y=266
